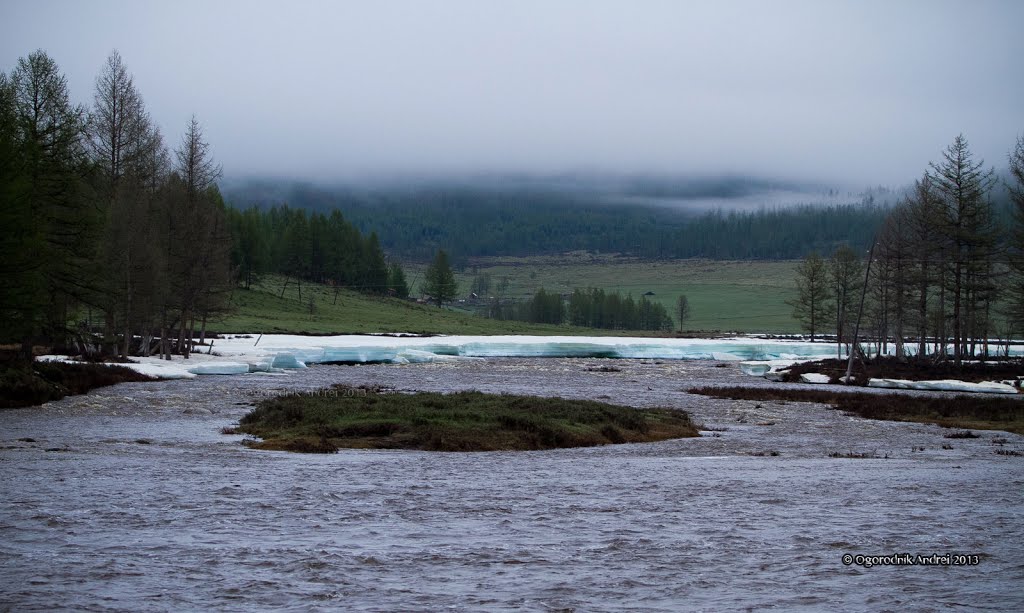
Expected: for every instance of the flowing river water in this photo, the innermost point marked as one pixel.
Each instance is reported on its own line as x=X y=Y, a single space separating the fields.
x=130 y=499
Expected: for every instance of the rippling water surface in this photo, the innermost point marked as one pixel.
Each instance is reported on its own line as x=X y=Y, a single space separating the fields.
x=130 y=499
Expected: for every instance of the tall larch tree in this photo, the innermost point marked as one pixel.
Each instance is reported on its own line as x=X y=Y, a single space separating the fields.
x=810 y=307
x=1015 y=308
x=54 y=167
x=200 y=246
x=845 y=272
x=22 y=297
x=965 y=221
x=124 y=144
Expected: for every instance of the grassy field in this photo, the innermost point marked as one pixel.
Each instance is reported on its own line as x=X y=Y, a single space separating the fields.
x=262 y=309
x=723 y=296
x=361 y=418
x=741 y=296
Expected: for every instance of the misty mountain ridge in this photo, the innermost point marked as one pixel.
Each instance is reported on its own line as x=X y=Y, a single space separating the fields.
x=687 y=194
x=720 y=217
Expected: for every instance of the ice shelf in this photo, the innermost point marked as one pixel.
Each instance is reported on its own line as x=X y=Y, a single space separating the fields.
x=287 y=351
x=237 y=354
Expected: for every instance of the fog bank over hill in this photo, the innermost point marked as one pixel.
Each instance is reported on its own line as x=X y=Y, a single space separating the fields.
x=857 y=91
x=729 y=217
x=680 y=194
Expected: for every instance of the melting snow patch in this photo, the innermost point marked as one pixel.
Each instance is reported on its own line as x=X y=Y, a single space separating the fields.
x=220 y=368
x=769 y=369
x=164 y=371
x=813 y=377
x=948 y=385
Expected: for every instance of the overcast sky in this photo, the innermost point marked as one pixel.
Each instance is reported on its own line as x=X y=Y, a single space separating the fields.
x=864 y=92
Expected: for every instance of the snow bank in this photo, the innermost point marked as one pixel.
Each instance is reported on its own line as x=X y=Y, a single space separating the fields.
x=773 y=370
x=289 y=351
x=164 y=370
x=167 y=370
x=220 y=368
x=275 y=352
x=947 y=385
x=813 y=377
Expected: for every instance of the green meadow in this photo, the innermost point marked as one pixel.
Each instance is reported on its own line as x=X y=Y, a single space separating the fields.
x=724 y=296
x=263 y=309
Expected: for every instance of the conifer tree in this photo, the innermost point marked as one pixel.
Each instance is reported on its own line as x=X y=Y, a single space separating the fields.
x=200 y=244
x=439 y=280
x=811 y=304
x=22 y=297
x=397 y=285
x=845 y=273
x=61 y=235
x=965 y=222
x=124 y=144
x=1016 y=186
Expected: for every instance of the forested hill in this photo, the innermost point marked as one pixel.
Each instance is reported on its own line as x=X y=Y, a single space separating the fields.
x=529 y=220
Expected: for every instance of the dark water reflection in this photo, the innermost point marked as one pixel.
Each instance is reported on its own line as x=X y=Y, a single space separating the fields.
x=130 y=499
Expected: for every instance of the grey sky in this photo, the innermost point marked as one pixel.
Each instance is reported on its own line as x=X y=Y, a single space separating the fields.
x=854 y=92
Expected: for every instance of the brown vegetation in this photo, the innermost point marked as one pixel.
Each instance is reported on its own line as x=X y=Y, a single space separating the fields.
x=965 y=412
x=24 y=384
x=888 y=367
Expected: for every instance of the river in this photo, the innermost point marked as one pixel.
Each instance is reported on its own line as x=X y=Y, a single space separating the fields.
x=130 y=499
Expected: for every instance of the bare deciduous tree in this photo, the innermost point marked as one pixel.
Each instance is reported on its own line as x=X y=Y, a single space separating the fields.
x=683 y=310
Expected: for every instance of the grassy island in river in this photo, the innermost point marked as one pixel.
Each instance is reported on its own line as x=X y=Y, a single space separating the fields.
x=360 y=418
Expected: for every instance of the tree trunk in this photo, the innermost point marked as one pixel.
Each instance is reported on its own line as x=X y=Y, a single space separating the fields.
x=109 y=336
x=957 y=323
x=922 y=313
x=165 y=351
x=188 y=323
x=941 y=341
x=181 y=335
